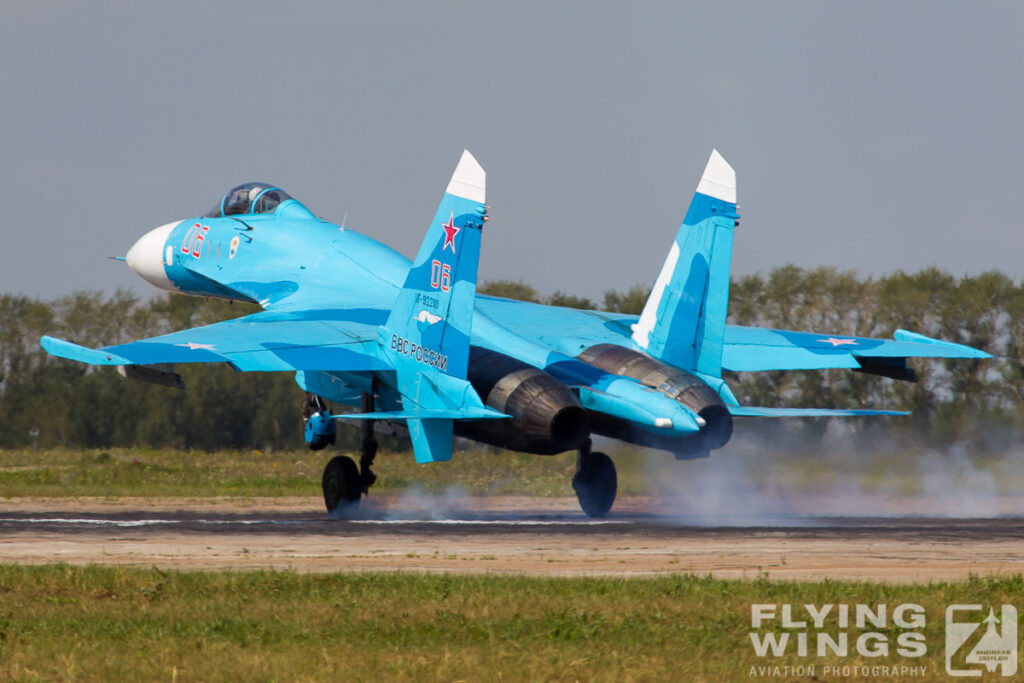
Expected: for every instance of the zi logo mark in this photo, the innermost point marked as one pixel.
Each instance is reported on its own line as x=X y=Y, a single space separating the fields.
x=997 y=646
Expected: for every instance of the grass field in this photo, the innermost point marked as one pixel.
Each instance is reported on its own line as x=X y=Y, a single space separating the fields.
x=60 y=622
x=174 y=473
x=92 y=623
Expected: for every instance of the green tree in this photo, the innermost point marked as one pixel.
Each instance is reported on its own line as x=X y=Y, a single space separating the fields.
x=510 y=289
x=630 y=301
x=570 y=301
x=956 y=401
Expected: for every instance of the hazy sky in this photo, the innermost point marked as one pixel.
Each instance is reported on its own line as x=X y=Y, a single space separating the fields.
x=866 y=135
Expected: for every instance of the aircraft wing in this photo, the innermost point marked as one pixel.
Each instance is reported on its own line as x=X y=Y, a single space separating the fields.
x=754 y=349
x=751 y=349
x=329 y=340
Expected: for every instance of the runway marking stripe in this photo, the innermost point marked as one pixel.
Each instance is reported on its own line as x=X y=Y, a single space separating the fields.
x=157 y=522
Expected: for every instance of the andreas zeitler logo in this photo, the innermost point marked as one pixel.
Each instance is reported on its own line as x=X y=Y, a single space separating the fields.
x=974 y=643
x=995 y=648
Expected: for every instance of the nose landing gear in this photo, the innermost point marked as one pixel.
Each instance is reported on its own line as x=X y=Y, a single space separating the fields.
x=343 y=483
x=367 y=446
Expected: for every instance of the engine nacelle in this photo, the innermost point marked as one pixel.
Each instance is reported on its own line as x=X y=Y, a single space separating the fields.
x=678 y=384
x=547 y=418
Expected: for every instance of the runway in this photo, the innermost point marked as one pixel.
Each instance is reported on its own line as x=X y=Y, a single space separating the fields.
x=509 y=535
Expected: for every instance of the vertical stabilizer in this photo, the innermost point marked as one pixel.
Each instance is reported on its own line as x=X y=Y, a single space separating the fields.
x=426 y=337
x=683 y=321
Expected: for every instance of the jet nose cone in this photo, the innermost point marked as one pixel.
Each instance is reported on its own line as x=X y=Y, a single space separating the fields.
x=147 y=257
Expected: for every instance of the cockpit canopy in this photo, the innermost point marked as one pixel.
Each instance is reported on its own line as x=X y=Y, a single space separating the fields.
x=249 y=198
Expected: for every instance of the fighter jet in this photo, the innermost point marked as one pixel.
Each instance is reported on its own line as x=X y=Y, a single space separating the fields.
x=412 y=344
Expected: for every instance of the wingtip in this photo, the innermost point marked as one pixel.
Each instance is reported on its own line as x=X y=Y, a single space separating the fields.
x=902 y=335
x=719 y=179
x=469 y=180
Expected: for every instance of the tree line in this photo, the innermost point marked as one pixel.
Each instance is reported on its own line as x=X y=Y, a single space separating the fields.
x=51 y=402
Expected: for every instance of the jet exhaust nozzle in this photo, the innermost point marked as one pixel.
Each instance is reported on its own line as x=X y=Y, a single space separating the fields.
x=547 y=418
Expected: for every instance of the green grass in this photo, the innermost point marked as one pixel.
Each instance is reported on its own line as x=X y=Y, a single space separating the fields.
x=150 y=472
x=102 y=623
x=246 y=474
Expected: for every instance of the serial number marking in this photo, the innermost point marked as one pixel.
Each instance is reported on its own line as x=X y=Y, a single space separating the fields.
x=419 y=353
x=429 y=301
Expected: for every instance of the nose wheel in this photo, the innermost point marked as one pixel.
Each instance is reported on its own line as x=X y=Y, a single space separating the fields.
x=343 y=482
x=595 y=482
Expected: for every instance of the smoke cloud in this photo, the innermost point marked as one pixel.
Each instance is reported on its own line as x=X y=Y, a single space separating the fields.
x=793 y=481
x=417 y=504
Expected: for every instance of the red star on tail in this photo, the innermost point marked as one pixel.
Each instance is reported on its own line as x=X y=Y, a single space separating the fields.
x=450 y=231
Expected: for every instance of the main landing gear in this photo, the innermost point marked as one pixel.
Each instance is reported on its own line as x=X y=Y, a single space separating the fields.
x=341 y=486
x=595 y=481
x=343 y=482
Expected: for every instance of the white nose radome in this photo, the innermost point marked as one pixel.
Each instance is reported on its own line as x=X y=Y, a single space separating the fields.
x=146 y=257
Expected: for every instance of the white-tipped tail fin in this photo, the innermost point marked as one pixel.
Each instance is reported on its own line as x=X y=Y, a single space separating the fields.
x=426 y=336
x=683 y=321
x=719 y=179
x=469 y=179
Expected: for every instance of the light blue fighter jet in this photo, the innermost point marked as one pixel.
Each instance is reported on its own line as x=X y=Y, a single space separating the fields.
x=412 y=344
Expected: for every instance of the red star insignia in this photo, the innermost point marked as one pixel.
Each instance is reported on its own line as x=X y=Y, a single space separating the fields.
x=450 y=231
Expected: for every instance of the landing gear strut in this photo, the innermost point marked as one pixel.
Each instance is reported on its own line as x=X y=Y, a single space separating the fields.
x=367 y=446
x=343 y=483
x=595 y=481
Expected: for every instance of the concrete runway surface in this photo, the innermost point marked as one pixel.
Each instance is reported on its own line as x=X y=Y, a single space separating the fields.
x=502 y=535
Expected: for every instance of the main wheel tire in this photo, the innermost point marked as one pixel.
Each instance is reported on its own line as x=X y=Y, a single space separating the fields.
x=342 y=486
x=596 y=484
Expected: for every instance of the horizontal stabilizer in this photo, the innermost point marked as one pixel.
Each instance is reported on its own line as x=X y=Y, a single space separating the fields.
x=751 y=411
x=467 y=413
